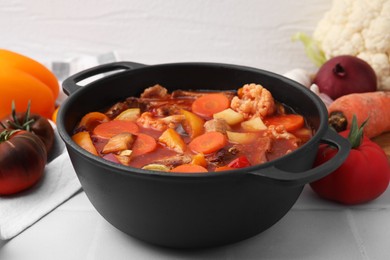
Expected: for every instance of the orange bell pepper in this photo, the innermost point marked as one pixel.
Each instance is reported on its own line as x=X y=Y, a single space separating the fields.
x=23 y=79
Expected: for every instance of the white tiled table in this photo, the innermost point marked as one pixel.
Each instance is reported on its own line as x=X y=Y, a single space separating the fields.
x=312 y=229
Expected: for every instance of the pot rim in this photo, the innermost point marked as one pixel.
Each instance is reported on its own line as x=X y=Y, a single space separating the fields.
x=131 y=171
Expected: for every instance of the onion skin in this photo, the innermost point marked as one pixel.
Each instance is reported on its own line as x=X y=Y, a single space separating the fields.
x=344 y=75
x=22 y=162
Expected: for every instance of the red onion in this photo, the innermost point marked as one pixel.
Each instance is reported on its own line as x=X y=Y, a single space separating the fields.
x=344 y=75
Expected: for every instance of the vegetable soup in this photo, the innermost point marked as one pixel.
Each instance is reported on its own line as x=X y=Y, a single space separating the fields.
x=193 y=131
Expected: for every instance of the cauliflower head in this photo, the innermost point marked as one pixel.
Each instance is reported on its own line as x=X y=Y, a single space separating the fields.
x=360 y=28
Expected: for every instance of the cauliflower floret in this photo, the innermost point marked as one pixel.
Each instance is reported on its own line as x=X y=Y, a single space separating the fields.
x=359 y=28
x=147 y=120
x=254 y=100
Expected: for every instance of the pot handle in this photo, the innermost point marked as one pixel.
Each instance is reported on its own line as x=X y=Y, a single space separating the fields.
x=301 y=178
x=70 y=84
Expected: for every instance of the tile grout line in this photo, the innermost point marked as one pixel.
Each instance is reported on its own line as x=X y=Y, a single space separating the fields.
x=356 y=235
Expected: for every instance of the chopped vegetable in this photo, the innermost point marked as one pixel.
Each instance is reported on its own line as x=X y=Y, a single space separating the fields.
x=124 y=157
x=253 y=100
x=240 y=162
x=83 y=139
x=130 y=114
x=230 y=116
x=208 y=142
x=192 y=124
x=172 y=140
x=373 y=105
x=209 y=104
x=364 y=175
x=119 y=142
x=144 y=144
x=241 y=138
x=254 y=124
x=291 y=122
x=199 y=159
x=156 y=167
x=91 y=120
x=111 y=128
x=188 y=168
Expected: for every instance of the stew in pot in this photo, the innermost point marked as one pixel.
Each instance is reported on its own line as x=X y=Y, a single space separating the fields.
x=193 y=131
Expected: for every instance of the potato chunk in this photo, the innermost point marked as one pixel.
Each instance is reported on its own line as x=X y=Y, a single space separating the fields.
x=241 y=138
x=230 y=116
x=254 y=124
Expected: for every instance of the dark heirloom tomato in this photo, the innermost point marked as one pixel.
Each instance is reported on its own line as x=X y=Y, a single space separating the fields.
x=22 y=160
x=34 y=123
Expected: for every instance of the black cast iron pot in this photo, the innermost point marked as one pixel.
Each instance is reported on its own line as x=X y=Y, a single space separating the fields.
x=196 y=210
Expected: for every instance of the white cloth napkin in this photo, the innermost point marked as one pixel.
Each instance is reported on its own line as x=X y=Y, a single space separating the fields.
x=58 y=184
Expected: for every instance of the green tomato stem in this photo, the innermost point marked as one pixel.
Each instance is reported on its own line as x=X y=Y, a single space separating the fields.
x=355 y=135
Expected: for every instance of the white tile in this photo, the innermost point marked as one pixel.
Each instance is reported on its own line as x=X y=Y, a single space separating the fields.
x=59 y=235
x=310 y=200
x=373 y=232
x=301 y=234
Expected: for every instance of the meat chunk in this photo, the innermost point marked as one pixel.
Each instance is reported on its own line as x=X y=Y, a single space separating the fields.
x=256 y=152
x=174 y=160
x=224 y=156
x=262 y=146
x=156 y=91
x=217 y=125
x=254 y=100
x=197 y=94
x=130 y=102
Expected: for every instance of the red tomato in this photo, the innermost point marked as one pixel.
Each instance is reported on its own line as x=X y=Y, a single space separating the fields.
x=22 y=161
x=363 y=177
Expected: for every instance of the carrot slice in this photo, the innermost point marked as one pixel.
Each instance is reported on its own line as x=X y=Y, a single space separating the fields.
x=187 y=168
x=144 y=144
x=83 y=139
x=291 y=122
x=111 y=128
x=209 y=104
x=208 y=142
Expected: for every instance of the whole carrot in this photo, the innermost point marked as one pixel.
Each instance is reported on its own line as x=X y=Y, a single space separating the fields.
x=374 y=106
